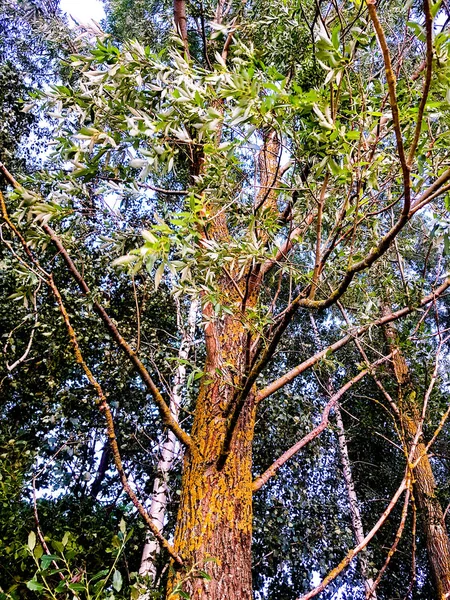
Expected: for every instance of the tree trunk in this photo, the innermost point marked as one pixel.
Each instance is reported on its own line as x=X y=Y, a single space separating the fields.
x=355 y=513
x=357 y=525
x=432 y=517
x=214 y=524
x=169 y=448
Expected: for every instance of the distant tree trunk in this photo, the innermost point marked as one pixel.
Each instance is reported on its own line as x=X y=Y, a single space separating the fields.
x=355 y=513
x=169 y=448
x=432 y=517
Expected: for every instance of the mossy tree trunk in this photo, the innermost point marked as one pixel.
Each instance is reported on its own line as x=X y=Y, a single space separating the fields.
x=431 y=513
x=215 y=516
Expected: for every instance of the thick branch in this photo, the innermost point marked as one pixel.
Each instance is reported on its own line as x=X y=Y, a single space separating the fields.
x=427 y=82
x=179 y=16
x=392 y=83
x=104 y=408
x=164 y=409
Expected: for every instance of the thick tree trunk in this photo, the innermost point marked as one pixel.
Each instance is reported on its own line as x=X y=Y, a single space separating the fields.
x=215 y=517
x=432 y=517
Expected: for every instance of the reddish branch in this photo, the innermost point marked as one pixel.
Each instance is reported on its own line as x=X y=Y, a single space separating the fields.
x=392 y=83
x=427 y=82
x=179 y=15
x=310 y=362
x=394 y=546
x=164 y=409
x=260 y=481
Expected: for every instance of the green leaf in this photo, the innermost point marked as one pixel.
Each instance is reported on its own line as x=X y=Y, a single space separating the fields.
x=204 y=575
x=34 y=585
x=434 y=8
x=77 y=587
x=47 y=559
x=117 y=580
x=99 y=575
x=31 y=540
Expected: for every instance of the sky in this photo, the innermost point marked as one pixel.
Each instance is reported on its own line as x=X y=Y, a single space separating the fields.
x=83 y=10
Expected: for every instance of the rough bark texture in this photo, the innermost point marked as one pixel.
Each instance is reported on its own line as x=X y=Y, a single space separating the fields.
x=432 y=517
x=215 y=516
x=214 y=525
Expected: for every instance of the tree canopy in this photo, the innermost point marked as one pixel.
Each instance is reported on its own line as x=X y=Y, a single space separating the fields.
x=224 y=306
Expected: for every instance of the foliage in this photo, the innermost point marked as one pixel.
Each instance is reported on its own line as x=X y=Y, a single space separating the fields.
x=153 y=146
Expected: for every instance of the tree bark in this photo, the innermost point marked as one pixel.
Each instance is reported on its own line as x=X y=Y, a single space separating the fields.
x=169 y=448
x=432 y=516
x=355 y=513
x=214 y=524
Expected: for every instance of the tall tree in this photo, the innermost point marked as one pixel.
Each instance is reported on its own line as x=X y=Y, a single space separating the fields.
x=294 y=194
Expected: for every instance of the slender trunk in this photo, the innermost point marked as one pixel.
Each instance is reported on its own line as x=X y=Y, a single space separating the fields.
x=169 y=450
x=214 y=524
x=357 y=525
x=432 y=517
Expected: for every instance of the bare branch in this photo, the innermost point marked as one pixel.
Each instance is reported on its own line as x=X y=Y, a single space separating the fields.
x=310 y=362
x=260 y=481
x=355 y=551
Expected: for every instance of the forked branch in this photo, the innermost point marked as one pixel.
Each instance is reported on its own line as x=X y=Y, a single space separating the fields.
x=260 y=481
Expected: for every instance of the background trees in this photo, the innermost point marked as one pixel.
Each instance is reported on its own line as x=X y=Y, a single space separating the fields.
x=276 y=171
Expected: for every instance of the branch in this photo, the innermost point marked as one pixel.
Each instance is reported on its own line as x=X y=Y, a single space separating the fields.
x=392 y=83
x=432 y=192
x=164 y=409
x=260 y=481
x=179 y=16
x=310 y=362
x=355 y=551
x=393 y=548
x=427 y=82
x=105 y=409
x=102 y=403
x=317 y=263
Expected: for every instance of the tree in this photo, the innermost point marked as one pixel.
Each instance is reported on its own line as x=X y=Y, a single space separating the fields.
x=294 y=194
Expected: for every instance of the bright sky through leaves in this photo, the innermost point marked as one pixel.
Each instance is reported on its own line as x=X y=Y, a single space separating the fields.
x=83 y=10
